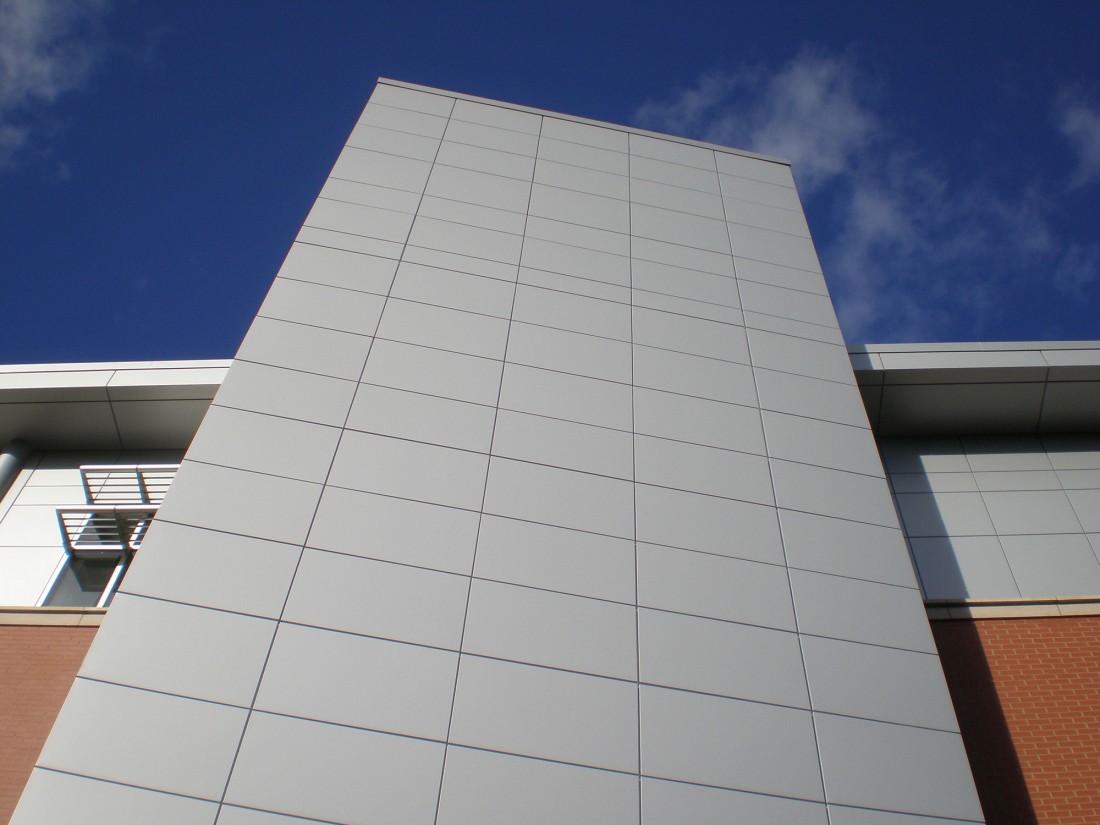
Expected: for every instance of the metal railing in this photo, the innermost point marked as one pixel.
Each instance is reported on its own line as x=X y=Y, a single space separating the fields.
x=105 y=529
x=126 y=483
x=122 y=500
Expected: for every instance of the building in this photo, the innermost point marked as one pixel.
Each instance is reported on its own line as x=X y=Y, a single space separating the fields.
x=543 y=488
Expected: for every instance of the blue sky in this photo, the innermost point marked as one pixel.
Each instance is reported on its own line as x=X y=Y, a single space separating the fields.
x=156 y=159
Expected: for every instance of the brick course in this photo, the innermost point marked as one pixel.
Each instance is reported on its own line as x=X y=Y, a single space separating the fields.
x=1027 y=693
x=37 y=668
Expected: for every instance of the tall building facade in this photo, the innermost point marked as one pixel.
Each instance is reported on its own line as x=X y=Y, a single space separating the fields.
x=542 y=489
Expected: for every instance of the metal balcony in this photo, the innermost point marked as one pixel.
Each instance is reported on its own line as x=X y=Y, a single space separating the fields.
x=122 y=501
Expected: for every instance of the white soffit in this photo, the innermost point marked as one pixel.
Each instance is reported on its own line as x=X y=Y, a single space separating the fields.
x=128 y=406
x=1000 y=387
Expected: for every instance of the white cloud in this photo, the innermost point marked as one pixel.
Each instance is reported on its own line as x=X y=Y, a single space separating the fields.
x=808 y=112
x=47 y=48
x=1079 y=121
x=911 y=251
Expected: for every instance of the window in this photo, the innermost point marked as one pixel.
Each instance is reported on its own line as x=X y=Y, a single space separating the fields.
x=102 y=536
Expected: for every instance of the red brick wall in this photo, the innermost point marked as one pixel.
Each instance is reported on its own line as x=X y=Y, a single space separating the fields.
x=1027 y=693
x=37 y=667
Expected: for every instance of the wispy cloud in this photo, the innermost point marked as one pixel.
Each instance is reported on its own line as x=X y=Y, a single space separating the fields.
x=911 y=250
x=1079 y=120
x=47 y=48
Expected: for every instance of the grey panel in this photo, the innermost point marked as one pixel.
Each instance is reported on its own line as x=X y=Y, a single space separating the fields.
x=667 y=196
x=554 y=558
x=694 y=375
x=663 y=252
x=478 y=188
x=480 y=159
x=477 y=134
x=784 y=276
x=575 y=285
x=140 y=738
x=762 y=216
x=447 y=236
x=603 y=136
x=685 y=283
x=337 y=773
x=288 y=393
x=483 y=788
x=572 y=234
x=879 y=765
x=303 y=347
x=810 y=441
x=433 y=372
x=576 y=261
x=773 y=247
x=878 y=683
x=713 y=525
x=846 y=548
x=409 y=469
x=335 y=267
x=673 y=151
x=729 y=743
x=776 y=172
x=669 y=330
x=714 y=586
x=812 y=397
x=944 y=514
x=553 y=629
x=839 y=815
x=1086 y=506
x=679 y=227
x=343 y=310
x=576 y=313
x=860 y=611
x=699 y=420
x=722 y=658
x=702 y=469
x=419 y=417
x=359 y=681
x=203 y=495
x=458 y=290
x=356 y=219
x=665 y=803
x=252 y=576
x=390 y=601
x=61 y=797
x=924 y=455
x=395 y=529
x=661 y=171
x=1032 y=512
x=561 y=395
x=832 y=493
x=402 y=120
x=536 y=711
x=562 y=497
x=265 y=444
x=175 y=648
x=582 y=179
x=381 y=169
x=442 y=328
x=799 y=356
x=1052 y=566
x=498 y=116
x=564 y=444
x=580 y=207
x=570 y=352
x=392 y=142
x=485 y=217
x=963 y=567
